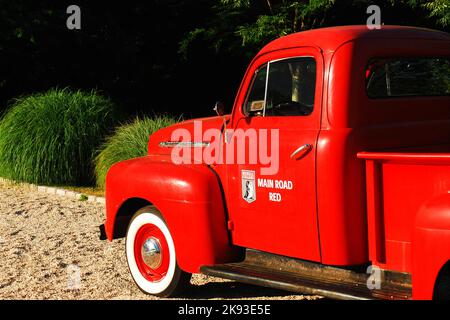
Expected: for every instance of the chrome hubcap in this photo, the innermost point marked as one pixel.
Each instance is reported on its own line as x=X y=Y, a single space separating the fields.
x=151 y=253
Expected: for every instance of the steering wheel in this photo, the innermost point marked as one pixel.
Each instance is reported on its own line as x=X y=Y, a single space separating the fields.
x=289 y=107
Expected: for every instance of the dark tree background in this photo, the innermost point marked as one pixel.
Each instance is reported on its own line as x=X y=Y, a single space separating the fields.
x=170 y=55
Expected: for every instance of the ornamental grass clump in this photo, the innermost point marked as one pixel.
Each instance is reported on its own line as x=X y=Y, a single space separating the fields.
x=129 y=141
x=50 y=138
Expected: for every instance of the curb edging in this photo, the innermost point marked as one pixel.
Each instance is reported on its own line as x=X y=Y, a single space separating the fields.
x=56 y=191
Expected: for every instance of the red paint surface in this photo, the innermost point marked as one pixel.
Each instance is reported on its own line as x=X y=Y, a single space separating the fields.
x=189 y=199
x=401 y=224
x=288 y=227
x=408 y=208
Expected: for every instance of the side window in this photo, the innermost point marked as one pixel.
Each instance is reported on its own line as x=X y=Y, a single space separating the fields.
x=290 y=89
x=255 y=99
x=400 y=77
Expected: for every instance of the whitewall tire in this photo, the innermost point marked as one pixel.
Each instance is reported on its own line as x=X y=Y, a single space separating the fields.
x=151 y=255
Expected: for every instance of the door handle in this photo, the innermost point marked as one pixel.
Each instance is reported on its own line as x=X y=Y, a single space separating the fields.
x=304 y=149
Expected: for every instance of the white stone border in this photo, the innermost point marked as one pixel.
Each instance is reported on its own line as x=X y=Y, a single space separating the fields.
x=56 y=191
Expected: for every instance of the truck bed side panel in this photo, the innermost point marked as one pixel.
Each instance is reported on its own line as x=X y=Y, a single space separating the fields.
x=408 y=207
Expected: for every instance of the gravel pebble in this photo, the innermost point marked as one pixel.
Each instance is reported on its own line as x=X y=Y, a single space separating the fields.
x=49 y=249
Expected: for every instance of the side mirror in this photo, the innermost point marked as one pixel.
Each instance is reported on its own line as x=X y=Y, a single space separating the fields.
x=219 y=108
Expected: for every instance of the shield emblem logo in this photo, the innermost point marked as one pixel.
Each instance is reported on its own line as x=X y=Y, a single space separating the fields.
x=248 y=185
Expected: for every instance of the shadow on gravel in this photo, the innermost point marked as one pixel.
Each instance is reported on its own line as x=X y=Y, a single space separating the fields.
x=231 y=290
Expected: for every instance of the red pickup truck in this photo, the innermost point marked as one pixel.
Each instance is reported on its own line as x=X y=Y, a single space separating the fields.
x=331 y=176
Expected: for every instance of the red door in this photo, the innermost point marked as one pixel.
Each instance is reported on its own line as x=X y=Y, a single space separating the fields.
x=272 y=207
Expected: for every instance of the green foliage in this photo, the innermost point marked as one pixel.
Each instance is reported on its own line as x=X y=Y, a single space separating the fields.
x=250 y=24
x=439 y=9
x=282 y=18
x=129 y=141
x=247 y=24
x=50 y=138
x=236 y=3
x=265 y=28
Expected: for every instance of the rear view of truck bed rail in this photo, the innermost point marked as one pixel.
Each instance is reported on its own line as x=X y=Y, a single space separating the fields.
x=398 y=184
x=408 y=211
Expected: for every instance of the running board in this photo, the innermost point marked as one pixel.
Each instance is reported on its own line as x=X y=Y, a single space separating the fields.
x=279 y=272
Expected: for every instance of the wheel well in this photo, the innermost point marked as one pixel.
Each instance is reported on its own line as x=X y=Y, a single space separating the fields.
x=442 y=286
x=124 y=215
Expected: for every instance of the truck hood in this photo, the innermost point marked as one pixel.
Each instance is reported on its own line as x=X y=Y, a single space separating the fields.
x=162 y=141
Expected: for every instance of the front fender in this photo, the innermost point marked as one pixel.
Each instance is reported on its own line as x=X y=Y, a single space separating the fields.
x=431 y=245
x=190 y=200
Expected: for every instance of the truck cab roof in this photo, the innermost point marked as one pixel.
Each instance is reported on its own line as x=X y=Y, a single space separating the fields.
x=329 y=39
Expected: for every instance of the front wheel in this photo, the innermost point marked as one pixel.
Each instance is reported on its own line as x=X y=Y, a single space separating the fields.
x=151 y=255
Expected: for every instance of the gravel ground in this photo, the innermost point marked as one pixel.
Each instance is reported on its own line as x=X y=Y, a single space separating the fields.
x=49 y=249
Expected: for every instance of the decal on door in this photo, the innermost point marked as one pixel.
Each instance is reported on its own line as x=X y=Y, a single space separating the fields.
x=275 y=184
x=248 y=185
